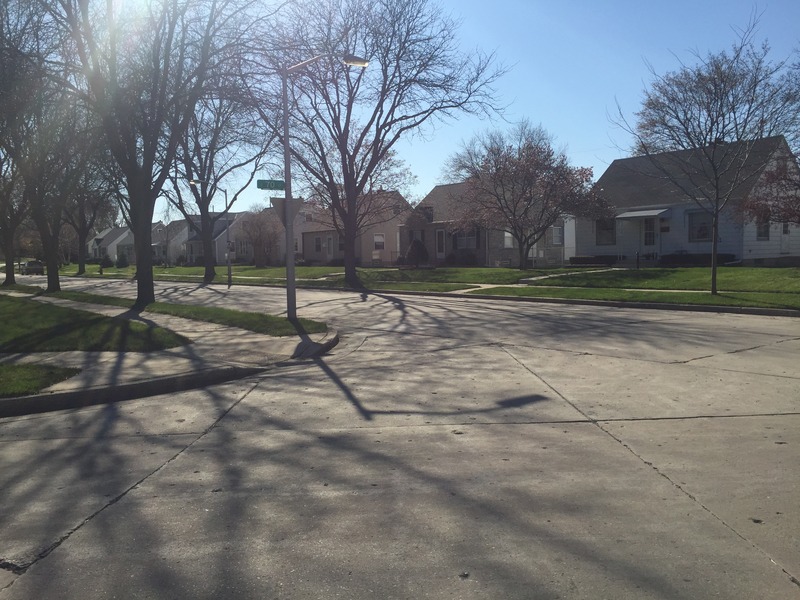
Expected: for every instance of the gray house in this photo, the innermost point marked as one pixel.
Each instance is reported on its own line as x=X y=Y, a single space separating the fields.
x=441 y=221
x=658 y=222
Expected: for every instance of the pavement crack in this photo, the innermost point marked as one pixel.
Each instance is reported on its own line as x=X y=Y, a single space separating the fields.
x=657 y=470
x=20 y=567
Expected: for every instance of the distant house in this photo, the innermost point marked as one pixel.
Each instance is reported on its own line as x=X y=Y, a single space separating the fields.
x=169 y=241
x=378 y=242
x=105 y=243
x=655 y=222
x=259 y=238
x=442 y=223
x=221 y=238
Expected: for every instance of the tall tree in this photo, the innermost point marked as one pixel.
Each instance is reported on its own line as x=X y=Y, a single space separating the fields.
x=225 y=142
x=517 y=182
x=700 y=124
x=261 y=228
x=344 y=120
x=92 y=201
x=20 y=80
x=145 y=67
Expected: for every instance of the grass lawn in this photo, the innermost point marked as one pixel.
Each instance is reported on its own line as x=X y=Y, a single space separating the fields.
x=731 y=279
x=742 y=286
x=22 y=380
x=257 y=322
x=30 y=326
x=745 y=299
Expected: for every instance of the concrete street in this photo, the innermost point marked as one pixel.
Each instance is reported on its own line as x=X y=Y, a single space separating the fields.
x=446 y=448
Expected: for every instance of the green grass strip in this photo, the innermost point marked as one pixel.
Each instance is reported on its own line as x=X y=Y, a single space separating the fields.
x=738 y=299
x=256 y=322
x=23 y=380
x=31 y=326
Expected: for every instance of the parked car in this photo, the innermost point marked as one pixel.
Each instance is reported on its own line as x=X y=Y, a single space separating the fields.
x=32 y=267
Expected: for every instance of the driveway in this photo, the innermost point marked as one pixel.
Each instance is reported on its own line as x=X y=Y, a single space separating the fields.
x=447 y=448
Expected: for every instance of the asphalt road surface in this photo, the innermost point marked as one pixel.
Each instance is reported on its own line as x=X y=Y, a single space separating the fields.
x=447 y=448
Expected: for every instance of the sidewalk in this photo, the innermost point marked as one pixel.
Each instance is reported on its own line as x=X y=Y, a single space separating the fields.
x=217 y=354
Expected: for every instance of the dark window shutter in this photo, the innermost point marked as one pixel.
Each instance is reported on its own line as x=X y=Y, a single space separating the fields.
x=477 y=238
x=422 y=236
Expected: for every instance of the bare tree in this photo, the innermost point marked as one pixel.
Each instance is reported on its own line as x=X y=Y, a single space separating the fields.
x=778 y=196
x=344 y=120
x=144 y=92
x=20 y=80
x=225 y=139
x=12 y=213
x=261 y=228
x=701 y=124
x=517 y=182
x=92 y=201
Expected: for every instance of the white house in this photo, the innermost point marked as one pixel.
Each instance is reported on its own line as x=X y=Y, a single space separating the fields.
x=658 y=222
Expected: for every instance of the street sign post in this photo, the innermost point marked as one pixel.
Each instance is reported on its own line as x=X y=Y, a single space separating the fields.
x=271 y=184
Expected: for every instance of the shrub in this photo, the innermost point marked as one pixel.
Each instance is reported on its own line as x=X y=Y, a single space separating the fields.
x=416 y=254
x=694 y=260
x=122 y=261
x=106 y=262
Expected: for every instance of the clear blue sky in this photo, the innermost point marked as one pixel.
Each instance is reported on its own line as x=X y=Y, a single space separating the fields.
x=571 y=61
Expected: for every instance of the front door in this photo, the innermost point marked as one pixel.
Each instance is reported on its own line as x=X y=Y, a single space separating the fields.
x=649 y=235
x=785 y=238
x=440 y=244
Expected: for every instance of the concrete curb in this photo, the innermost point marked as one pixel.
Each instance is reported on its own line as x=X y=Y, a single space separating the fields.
x=24 y=405
x=743 y=310
x=49 y=402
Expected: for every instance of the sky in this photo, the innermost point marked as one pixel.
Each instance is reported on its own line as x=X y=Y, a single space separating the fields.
x=572 y=62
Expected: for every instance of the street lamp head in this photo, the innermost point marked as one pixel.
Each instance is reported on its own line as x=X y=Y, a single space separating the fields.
x=355 y=61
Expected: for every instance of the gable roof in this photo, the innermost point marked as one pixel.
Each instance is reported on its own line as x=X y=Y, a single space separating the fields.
x=651 y=180
x=443 y=202
x=384 y=206
x=220 y=225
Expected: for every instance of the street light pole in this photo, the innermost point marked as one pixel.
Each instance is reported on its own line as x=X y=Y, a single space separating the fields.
x=288 y=213
x=291 y=292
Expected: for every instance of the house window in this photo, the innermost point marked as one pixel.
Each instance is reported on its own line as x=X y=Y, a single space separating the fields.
x=466 y=240
x=558 y=236
x=649 y=232
x=508 y=240
x=699 y=226
x=380 y=241
x=786 y=229
x=416 y=234
x=317 y=244
x=762 y=229
x=606 y=232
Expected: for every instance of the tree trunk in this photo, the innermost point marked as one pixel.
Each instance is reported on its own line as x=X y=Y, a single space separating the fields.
x=208 y=258
x=350 y=234
x=83 y=235
x=142 y=226
x=523 y=253
x=8 y=251
x=51 y=257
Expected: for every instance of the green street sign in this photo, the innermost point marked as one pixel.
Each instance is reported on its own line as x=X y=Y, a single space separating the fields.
x=271 y=184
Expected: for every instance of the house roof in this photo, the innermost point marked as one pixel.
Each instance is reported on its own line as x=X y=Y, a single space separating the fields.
x=650 y=181
x=444 y=201
x=220 y=225
x=109 y=236
x=384 y=205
